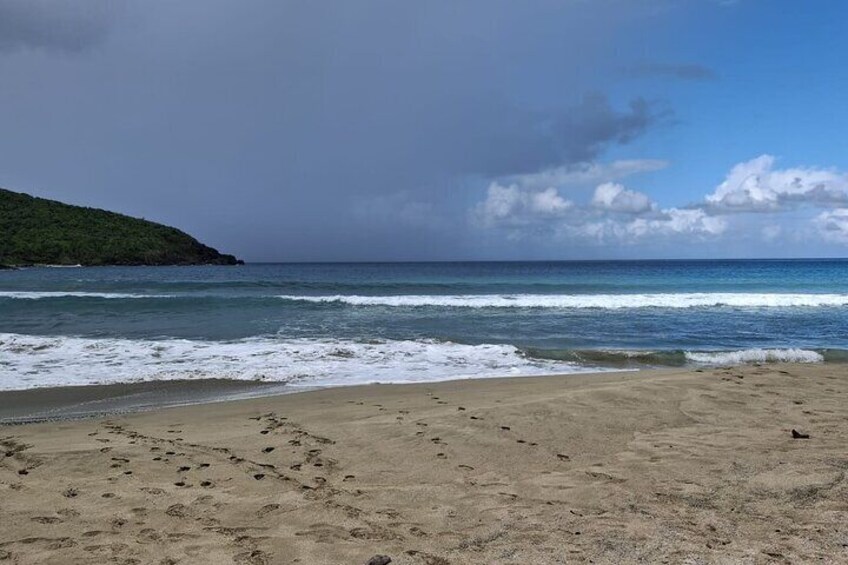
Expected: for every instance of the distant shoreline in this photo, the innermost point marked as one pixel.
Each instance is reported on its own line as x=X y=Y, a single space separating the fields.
x=81 y=266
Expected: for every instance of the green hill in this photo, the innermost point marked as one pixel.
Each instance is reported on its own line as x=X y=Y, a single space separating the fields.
x=36 y=231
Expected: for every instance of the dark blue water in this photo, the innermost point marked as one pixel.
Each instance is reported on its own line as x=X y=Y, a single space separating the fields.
x=320 y=323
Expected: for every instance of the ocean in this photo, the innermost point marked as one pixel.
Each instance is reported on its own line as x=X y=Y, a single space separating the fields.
x=308 y=325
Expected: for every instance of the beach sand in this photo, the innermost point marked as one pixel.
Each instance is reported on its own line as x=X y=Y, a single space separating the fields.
x=651 y=467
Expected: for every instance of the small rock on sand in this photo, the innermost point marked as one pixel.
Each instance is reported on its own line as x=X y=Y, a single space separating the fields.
x=379 y=560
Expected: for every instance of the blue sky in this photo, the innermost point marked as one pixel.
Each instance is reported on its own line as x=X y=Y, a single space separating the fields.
x=378 y=130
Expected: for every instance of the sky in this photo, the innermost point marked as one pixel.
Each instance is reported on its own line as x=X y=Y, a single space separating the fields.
x=379 y=130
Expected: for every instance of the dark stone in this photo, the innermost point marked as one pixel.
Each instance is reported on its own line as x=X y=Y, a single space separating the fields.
x=798 y=435
x=379 y=560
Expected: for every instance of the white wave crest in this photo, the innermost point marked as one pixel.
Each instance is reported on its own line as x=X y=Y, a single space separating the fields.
x=34 y=295
x=755 y=356
x=605 y=301
x=34 y=361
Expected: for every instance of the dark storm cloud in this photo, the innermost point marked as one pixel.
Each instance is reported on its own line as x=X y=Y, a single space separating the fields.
x=595 y=124
x=689 y=71
x=291 y=130
x=62 y=25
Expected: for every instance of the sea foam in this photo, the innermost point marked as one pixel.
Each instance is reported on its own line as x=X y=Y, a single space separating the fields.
x=602 y=301
x=38 y=295
x=743 y=356
x=34 y=361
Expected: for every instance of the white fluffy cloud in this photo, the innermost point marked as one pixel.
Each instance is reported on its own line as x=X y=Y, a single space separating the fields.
x=615 y=198
x=514 y=205
x=679 y=221
x=610 y=213
x=757 y=186
x=673 y=222
x=614 y=215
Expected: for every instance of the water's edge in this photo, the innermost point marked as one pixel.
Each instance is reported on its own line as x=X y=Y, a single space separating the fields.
x=68 y=403
x=64 y=403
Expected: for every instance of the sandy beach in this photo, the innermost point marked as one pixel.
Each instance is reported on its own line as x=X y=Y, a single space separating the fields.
x=651 y=467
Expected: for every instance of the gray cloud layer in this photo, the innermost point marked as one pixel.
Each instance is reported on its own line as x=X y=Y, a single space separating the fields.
x=682 y=71
x=294 y=130
x=61 y=25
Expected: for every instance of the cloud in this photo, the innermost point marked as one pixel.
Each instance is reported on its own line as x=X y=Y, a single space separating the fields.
x=500 y=140
x=57 y=25
x=689 y=71
x=615 y=198
x=757 y=186
x=582 y=133
x=833 y=225
x=279 y=115
x=614 y=215
x=771 y=232
x=677 y=221
x=671 y=224
x=514 y=206
x=587 y=173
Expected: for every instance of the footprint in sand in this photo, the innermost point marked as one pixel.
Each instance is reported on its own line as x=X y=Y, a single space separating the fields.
x=46 y=519
x=267 y=509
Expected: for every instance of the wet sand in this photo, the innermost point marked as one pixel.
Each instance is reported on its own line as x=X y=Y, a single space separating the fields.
x=76 y=402
x=650 y=467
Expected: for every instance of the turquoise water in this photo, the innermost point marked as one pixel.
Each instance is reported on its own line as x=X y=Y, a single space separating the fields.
x=316 y=324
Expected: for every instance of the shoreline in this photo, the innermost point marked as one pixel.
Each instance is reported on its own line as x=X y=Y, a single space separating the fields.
x=648 y=466
x=77 y=402
x=69 y=403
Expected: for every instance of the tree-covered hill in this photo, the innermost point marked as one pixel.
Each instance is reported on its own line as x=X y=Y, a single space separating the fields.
x=36 y=231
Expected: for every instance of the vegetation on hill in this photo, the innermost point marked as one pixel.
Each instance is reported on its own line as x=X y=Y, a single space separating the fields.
x=36 y=231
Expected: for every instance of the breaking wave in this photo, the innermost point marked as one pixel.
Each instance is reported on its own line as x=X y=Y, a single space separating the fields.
x=601 y=301
x=35 y=361
x=22 y=295
x=755 y=356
